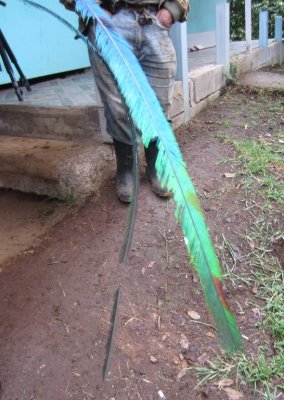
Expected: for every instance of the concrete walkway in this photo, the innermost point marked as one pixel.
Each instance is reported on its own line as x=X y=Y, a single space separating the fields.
x=78 y=88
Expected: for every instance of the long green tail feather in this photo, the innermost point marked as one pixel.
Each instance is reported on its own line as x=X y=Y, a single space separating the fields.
x=149 y=119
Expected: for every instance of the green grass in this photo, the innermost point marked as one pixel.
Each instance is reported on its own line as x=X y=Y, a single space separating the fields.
x=263 y=168
x=228 y=123
x=260 y=163
x=265 y=370
x=69 y=199
x=258 y=158
x=256 y=370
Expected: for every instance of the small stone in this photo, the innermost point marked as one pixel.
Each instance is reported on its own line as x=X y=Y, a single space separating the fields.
x=184 y=342
x=153 y=359
x=193 y=314
x=233 y=394
x=161 y=293
x=181 y=374
x=176 y=360
x=167 y=371
x=184 y=364
x=178 y=320
x=211 y=334
x=161 y=395
x=229 y=174
x=190 y=357
x=207 y=390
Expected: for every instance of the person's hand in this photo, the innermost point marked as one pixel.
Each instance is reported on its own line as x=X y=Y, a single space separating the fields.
x=108 y=12
x=69 y=4
x=165 y=17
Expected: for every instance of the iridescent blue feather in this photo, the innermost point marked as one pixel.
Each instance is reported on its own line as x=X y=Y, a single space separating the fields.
x=148 y=117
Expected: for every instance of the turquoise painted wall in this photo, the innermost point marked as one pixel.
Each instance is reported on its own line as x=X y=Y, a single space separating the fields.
x=202 y=16
x=41 y=44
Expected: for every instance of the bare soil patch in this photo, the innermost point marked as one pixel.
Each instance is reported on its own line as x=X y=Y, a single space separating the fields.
x=56 y=302
x=25 y=218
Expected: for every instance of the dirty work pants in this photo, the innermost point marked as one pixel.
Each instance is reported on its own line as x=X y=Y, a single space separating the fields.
x=155 y=52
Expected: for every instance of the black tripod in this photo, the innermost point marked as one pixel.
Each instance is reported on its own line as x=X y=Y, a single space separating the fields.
x=7 y=55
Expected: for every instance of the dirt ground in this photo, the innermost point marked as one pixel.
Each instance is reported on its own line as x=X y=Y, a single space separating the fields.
x=56 y=300
x=25 y=218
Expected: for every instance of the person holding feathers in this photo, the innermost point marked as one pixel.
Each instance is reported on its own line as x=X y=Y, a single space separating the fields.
x=145 y=24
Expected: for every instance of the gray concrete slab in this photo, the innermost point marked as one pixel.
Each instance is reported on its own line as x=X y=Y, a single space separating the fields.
x=263 y=79
x=57 y=168
x=73 y=122
x=73 y=89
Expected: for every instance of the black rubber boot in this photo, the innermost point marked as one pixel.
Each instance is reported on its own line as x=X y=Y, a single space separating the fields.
x=151 y=155
x=124 y=177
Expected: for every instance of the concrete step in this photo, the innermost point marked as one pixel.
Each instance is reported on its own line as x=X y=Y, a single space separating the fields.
x=56 y=168
x=59 y=108
x=263 y=79
x=50 y=122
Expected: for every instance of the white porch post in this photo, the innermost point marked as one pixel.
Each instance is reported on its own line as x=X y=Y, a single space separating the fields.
x=263 y=29
x=179 y=38
x=263 y=32
x=223 y=35
x=278 y=28
x=279 y=34
x=248 y=25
